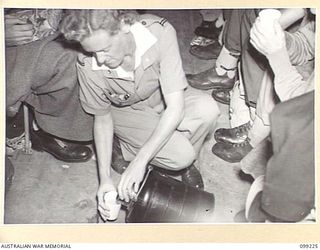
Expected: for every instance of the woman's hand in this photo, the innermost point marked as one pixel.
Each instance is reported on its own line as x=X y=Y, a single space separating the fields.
x=105 y=187
x=267 y=41
x=131 y=179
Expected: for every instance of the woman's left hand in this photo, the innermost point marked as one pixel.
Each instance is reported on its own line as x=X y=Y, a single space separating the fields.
x=131 y=179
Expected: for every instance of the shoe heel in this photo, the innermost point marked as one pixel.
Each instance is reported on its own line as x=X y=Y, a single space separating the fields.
x=36 y=147
x=36 y=143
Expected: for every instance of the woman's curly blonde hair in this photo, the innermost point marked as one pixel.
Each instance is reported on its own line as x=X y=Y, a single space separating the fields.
x=79 y=24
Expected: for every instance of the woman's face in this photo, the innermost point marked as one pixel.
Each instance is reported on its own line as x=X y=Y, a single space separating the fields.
x=108 y=49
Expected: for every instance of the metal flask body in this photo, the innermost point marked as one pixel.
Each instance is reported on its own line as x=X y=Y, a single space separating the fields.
x=163 y=199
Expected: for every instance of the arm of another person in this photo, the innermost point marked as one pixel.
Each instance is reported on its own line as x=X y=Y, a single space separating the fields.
x=290 y=15
x=173 y=82
x=17 y=31
x=301 y=44
x=288 y=82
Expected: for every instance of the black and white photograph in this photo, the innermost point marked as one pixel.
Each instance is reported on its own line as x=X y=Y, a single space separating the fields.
x=178 y=116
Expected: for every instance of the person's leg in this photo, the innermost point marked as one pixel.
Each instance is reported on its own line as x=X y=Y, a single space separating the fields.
x=231 y=34
x=206 y=44
x=239 y=112
x=290 y=184
x=286 y=192
x=253 y=63
x=56 y=103
x=201 y=114
x=239 y=115
x=210 y=27
x=210 y=15
x=235 y=143
x=258 y=132
x=50 y=87
x=221 y=75
x=133 y=127
x=265 y=103
x=235 y=38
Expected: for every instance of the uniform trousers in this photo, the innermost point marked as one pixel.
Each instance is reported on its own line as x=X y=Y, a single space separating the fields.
x=43 y=74
x=236 y=40
x=134 y=126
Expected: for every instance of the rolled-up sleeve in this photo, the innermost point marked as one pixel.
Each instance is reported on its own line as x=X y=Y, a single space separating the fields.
x=288 y=83
x=172 y=76
x=301 y=44
x=91 y=94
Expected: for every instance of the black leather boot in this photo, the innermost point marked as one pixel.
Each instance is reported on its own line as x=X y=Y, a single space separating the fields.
x=221 y=95
x=192 y=177
x=232 y=135
x=66 y=151
x=208 y=29
x=208 y=52
x=232 y=152
x=209 y=79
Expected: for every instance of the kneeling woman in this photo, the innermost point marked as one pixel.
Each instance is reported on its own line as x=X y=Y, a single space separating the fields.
x=132 y=81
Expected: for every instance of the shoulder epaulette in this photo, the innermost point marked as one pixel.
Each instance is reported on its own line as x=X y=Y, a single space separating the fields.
x=148 y=19
x=163 y=21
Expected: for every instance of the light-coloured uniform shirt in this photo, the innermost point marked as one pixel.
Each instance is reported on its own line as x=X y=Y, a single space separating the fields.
x=158 y=71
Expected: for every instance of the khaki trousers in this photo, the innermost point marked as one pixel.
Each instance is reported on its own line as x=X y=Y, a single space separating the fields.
x=135 y=126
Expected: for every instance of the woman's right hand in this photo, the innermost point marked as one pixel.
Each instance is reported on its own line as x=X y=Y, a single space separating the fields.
x=17 y=31
x=105 y=187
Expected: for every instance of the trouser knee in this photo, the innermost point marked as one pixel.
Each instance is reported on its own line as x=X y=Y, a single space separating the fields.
x=207 y=109
x=176 y=157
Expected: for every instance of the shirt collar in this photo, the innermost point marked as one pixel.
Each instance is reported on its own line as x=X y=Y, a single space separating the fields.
x=144 y=40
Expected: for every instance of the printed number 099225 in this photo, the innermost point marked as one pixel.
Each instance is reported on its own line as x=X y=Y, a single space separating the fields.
x=308 y=246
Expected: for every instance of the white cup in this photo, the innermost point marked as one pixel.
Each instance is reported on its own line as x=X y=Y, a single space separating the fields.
x=267 y=18
x=110 y=200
